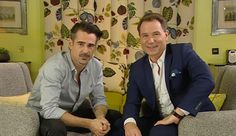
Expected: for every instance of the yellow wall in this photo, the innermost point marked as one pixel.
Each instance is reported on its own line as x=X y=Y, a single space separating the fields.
x=203 y=41
x=32 y=42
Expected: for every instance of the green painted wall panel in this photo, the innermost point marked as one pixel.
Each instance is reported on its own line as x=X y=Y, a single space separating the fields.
x=203 y=41
x=32 y=42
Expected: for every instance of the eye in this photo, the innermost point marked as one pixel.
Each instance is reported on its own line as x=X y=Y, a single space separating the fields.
x=80 y=44
x=91 y=45
x=144 y=35
x=156 y=34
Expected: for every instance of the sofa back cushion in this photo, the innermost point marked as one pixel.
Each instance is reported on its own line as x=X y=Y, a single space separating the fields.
x=13 y=80
x=228 y=86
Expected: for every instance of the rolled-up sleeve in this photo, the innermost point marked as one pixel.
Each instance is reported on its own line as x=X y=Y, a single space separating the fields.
x=50 y=92
x=97 y=96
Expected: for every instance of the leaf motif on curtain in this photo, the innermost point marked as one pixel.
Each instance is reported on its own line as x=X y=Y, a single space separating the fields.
x=173 y=32
x=49 y=44
x=156 y=3
x=167 y=13
x=105 y=34
x=186 y=2
x=121 y=10
x=132 y=41
x=115 y=54
x=65 y=4
x=101 y=49
x=47 y=12
x=107 y=11
x=131 y=10
x=178 y=19
x=125 y=23
x=60 y=43
x=55 y=2
x=83 y=3
x=191 y=23
x=108 y=72
x=65 y=32
x=113 y=21
x=58 y=14
x=88 y=17
x=139 y=54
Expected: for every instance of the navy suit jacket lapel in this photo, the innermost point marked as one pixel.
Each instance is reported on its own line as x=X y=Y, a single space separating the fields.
x=149 y=82
x=168 y=60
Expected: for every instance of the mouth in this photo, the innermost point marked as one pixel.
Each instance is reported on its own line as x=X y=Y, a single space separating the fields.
x=152 y=46
x=84 y=56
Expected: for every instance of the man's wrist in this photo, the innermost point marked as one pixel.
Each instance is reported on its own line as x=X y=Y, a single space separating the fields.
x=129 y=120
x=177 y=115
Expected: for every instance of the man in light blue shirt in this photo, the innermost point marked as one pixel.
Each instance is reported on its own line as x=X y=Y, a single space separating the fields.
x=65 y=82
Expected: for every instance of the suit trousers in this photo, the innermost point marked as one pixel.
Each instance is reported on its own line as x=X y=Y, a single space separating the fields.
x=147 y=128
x=55 y=127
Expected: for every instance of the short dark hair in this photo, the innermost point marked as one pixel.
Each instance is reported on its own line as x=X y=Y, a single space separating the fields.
x=86 y=27
x=153 y=16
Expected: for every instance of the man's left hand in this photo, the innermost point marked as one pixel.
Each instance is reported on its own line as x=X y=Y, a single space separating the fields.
x=168 y=120
x=105 y=124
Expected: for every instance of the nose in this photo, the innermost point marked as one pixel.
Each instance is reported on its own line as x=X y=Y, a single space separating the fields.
x=85 y=49
x=150 y=40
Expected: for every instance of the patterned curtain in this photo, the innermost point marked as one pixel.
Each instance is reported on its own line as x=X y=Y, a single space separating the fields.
x=120 y=44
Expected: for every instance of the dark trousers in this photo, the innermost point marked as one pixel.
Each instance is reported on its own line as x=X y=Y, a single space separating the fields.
x=55 y=127
x=147 y=128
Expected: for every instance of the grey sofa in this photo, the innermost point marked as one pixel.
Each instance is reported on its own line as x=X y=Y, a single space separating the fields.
x=22 y=121
x=217 y=123
x=15 y=119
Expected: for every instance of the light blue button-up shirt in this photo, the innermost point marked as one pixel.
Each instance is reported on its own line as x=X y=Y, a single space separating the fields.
x=55 y=89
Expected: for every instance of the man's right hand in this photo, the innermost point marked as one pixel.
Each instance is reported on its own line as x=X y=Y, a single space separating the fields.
x=97 y=127
x=131 y=129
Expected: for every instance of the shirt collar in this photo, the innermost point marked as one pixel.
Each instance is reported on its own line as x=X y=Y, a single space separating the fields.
x=161 y=59
x=72 y=66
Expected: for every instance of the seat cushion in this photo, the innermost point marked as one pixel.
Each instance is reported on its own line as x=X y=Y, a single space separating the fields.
x=19 y=100
x=218 y=100
x=18 y=120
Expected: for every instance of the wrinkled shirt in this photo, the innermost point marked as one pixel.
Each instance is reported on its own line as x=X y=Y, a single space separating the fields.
x=56 y=88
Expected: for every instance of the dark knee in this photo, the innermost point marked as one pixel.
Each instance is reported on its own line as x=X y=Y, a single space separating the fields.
x=164 y=130
x=113 y=115
x=53 y=128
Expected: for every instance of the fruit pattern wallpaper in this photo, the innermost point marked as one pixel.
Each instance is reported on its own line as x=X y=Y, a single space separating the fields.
x=118 y=19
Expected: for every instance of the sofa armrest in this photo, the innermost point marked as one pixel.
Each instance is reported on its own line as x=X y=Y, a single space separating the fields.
x=18 y=120
x=214 y=123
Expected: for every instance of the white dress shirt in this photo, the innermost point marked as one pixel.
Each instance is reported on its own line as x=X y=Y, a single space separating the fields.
x=160 y=86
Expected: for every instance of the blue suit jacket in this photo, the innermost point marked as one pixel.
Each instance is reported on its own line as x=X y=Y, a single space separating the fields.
x=188 y=82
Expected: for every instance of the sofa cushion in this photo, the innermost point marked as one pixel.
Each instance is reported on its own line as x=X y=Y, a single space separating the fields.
x=114 y=100
x=228 y=86
x=19 y=100
x=218 y=100
x=18 y=121
x=12 y=80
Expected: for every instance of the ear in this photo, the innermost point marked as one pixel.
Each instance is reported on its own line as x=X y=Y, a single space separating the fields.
x=167 y=35
x=70 y=43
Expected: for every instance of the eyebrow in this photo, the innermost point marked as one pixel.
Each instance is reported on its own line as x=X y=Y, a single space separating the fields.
x=151 y=33
x=80 y=42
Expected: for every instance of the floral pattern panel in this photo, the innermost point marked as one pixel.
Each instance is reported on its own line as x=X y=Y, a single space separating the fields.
x=53 y=23
x=118 y=19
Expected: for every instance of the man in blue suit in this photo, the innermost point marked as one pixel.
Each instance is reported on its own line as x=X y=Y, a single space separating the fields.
x=169 y=82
